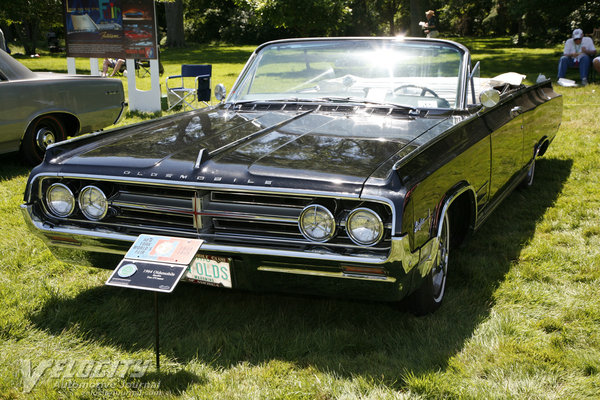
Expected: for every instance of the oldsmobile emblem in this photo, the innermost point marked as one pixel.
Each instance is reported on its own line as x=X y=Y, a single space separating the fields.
x=127 y=270
x=421 y=221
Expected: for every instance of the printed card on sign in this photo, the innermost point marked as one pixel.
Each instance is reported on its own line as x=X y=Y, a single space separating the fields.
x=164 y=249
x=155 y=263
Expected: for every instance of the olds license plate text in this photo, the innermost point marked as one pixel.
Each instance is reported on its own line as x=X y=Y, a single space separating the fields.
x=210 y=270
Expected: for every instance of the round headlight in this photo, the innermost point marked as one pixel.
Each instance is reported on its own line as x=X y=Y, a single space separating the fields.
x=92 y=202
x=60 y=200
x=364 y=227
x=316 y=223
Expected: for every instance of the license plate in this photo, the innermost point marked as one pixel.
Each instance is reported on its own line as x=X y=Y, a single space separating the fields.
x=210 y=270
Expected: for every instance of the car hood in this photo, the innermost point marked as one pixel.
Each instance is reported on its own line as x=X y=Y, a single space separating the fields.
x=273 y=146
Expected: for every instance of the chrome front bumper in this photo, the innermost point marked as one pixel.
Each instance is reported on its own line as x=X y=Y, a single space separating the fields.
x=76 y=239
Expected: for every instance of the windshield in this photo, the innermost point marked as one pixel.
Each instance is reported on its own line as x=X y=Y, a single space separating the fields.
x=418 y=74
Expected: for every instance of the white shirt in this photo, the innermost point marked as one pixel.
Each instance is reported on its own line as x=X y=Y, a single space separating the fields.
x=571 y=47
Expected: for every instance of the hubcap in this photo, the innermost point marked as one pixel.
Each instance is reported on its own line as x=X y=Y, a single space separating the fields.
x=44 y=138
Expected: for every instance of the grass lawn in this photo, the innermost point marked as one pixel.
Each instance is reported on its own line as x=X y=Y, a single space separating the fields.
x=521 y=318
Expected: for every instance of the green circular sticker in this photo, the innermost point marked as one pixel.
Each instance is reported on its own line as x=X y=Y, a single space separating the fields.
x=127 y=270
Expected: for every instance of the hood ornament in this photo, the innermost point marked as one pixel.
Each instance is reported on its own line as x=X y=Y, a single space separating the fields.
x=202 y=154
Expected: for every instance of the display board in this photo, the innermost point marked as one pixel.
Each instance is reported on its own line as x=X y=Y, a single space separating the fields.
x=111 y=28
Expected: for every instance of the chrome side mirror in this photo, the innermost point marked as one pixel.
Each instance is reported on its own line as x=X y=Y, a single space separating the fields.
x=220 y=92
x=489 y=97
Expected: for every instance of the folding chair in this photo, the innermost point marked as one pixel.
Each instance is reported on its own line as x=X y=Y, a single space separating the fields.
x=183 y=95
x=142 y=68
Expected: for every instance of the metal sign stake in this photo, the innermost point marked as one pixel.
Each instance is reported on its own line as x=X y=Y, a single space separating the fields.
x=155 y=263
x=156 y=332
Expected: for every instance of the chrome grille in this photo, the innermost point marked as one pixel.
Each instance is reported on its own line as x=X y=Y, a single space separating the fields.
x=138 y=210
x=228 y=217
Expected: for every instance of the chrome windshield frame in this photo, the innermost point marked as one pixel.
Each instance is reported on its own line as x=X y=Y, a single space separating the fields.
x=462 y=76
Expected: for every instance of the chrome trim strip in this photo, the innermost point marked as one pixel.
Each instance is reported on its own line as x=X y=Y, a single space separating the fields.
x=151 y=208
x=249 y=217
x=201 y=185
x=451 y=199
x=325 y=274
x=215 y=214
x=400 y=250
x=215 y=198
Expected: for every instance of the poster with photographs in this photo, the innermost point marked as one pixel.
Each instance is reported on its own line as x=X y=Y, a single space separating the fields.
x=111 y=28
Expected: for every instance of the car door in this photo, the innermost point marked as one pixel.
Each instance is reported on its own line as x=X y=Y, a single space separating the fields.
x=506 y=124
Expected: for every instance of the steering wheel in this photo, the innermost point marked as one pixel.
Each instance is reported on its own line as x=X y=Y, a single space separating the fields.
x=424 y=90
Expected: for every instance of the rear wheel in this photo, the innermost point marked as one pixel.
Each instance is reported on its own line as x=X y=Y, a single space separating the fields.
x=40 y=134
x=429 y=296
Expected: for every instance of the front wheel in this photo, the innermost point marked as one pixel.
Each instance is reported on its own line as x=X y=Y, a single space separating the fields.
x=40 y=134
x=428 y=298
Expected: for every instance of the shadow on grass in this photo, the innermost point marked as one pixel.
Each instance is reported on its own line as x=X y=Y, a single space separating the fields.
x=11 y=165
x=224 y=328
x=175 y=383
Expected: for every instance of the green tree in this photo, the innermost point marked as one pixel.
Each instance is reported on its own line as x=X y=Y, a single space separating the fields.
x=175 y=23
x=306 y=17
x=364 y=19
x=388 y=10
x=30 y=18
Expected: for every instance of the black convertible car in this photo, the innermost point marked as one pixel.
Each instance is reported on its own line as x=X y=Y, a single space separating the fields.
x=341 y=166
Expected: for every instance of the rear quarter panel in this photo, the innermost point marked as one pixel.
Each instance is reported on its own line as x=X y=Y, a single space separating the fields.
x=542 y=122
x=97 y=103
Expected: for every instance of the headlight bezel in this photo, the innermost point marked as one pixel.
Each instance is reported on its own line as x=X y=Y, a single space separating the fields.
x=51 y=208
x=352 y=235
x=330 y=216
x=84 y=208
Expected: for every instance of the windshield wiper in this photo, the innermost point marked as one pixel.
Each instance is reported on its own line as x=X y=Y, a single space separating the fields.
x=281 y=100
x=360 y=100
x=413 y=111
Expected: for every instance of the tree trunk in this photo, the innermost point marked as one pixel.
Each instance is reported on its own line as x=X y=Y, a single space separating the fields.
x=174 y=17
x=27 y=32
x=416 y=15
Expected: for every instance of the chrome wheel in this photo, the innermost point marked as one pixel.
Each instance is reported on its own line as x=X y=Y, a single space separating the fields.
x=44 y=138
x=40 y=134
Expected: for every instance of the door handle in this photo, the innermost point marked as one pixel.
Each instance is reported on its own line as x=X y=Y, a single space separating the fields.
x=515 y=111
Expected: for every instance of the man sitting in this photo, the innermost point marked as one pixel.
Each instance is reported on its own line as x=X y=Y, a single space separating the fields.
x=115 y=64
x=578 y=52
